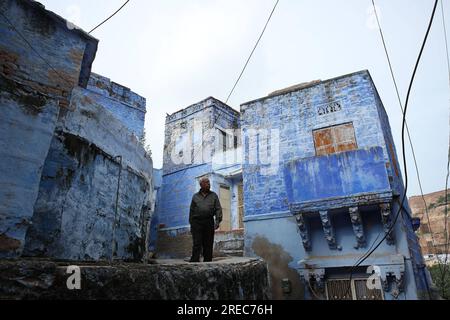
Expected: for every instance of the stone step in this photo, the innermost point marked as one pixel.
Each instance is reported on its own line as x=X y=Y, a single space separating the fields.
x=236 y=253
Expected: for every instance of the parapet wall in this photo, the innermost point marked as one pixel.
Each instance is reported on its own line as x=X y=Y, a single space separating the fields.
x=228 y=279
x=96 y=190
x=127 y=106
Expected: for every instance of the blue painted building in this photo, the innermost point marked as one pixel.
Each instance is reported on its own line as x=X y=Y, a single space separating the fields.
x=322 y=184
x=31 y=96
x=75 y=182
x=200 y=140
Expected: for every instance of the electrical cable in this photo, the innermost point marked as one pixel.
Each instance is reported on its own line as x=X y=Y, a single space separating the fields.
x=251 y=54
x=117 y=11
x=370 y=252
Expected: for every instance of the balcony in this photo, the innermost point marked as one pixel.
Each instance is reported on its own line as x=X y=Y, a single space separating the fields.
x=346 y=179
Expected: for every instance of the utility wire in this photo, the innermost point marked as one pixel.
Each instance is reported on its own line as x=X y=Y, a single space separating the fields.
x=448 y=158
x=371 y=251
x=407 y=128
x=401 y=108
x=117 y=11
x=251 y=54
x=217 y=117
x=403 y=134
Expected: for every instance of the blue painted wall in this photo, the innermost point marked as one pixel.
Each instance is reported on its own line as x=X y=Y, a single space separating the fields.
x=295 y=116
x=176 y=195
x=336 y=175
x=59 y=147
x=127 y=106
x=31 y=96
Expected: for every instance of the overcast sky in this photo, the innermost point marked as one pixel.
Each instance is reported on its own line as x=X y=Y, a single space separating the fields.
x=178 y=52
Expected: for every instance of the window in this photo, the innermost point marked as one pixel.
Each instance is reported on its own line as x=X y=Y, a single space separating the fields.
x=334 y=139
x=222 y=140
x=339 y=290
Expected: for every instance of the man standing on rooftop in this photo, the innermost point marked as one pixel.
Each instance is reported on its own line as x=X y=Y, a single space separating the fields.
x=205 y=216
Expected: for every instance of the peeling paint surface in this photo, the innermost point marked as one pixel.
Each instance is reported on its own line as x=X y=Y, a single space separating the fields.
x=75 y=182
x=278 y=261
x=96 y=191
x=31 y=95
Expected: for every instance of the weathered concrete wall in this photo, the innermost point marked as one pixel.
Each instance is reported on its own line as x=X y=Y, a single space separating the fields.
x=229 y=279
x=31 y=95
x=126 y=105
x=174 y=243
x=154 y=225
x=280 y=253
x=96 y=192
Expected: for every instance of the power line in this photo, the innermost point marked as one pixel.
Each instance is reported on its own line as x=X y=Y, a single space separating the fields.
x=251 y=54
x=371 y=251
x=117 y=11
x=401 y=108
x=448 y=157
x=403 y=131
x=406 y=124
x=217 y=117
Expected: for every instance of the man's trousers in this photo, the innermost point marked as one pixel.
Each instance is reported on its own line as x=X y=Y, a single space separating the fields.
x=203 y=238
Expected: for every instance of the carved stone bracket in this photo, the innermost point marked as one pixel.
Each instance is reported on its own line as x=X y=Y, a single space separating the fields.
x=355 y=217
x=386 y=218
x=395 y=284
x=304 y=231
x=315 y=280
x=328 y=230
x=393 y=279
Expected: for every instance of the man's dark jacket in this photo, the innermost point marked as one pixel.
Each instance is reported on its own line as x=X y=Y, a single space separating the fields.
x=205 y=207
